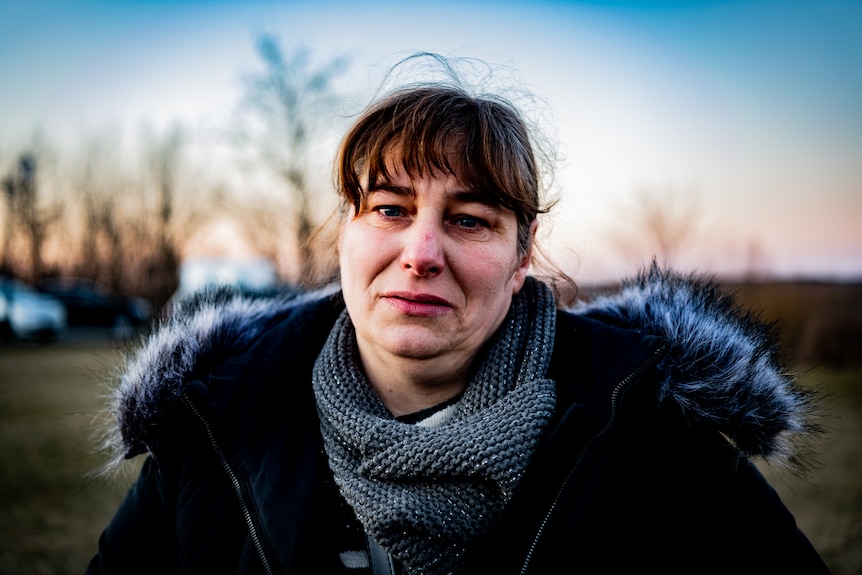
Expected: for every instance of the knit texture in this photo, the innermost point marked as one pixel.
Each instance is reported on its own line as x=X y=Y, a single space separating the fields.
x=424 y=493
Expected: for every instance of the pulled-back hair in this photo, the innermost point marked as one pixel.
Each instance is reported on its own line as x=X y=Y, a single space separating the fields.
x=425 y=129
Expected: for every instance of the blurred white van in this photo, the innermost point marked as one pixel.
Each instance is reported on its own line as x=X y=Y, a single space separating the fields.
x=246 y=274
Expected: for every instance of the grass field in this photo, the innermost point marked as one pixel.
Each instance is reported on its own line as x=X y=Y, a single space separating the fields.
x=51 y=513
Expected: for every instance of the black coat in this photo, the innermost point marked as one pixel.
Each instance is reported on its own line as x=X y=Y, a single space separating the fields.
x=664 y=392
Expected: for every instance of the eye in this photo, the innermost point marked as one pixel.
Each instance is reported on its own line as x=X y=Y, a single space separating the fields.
x=388 y=211
x=470 y=222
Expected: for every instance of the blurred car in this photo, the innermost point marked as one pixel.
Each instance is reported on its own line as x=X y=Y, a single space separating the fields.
x=248 y=275
x=27 y=314
x=89 y=304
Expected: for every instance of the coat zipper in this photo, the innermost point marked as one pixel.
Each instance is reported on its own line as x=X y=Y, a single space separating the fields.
x=595 y=437
x=234 y=480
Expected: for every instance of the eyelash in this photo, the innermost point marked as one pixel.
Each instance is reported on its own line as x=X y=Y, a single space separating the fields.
x=383 y=209
x=476 y=222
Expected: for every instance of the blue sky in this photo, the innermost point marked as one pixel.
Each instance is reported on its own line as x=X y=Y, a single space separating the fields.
x=755 y=105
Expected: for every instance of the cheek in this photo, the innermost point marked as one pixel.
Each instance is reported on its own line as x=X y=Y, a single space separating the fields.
x=348 y=258
x=361 y=252
x=490 y=273
x=350 y=241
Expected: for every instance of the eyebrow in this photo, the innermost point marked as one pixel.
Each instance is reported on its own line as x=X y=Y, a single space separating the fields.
x=460 y=195
x=392 y=188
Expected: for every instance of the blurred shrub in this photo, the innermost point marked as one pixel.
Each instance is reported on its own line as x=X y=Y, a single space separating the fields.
x=820 y=323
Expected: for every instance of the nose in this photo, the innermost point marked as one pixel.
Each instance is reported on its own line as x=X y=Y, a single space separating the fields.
x=422 y=251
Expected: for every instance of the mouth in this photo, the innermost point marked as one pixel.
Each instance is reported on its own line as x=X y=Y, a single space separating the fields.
x=417 y=304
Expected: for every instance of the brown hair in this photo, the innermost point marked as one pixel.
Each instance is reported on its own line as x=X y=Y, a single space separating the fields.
x=481 y=140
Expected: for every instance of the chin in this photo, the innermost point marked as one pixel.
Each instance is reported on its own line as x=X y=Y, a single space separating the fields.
x=416 y=351
x=415 y=346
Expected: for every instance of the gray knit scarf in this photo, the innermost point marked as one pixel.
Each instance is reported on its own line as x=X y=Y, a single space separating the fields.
x=425 y=494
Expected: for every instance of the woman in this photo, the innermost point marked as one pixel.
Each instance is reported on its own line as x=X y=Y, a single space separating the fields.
x=436 y=413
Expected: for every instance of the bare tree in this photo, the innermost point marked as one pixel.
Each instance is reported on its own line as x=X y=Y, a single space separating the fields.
x=8 y=187
x=27 y=214
x=98 y=187
x=163 y=163
x=658 y=223
x=289 y=100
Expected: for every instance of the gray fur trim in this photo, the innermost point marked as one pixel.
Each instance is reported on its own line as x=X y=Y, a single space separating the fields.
x=722 y=367
x=198 y=329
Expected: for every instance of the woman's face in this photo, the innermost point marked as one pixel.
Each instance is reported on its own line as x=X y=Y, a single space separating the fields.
x=428 y=271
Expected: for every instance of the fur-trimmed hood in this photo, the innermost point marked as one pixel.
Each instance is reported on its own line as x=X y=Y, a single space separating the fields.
x=721 y=367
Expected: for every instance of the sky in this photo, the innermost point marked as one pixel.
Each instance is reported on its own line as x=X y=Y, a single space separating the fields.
x=752 y=108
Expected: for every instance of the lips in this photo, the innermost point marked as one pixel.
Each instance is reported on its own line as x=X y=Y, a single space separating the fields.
x=417 y=304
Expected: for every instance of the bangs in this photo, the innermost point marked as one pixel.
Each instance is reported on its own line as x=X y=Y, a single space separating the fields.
x=417 y=155
x=424 y=132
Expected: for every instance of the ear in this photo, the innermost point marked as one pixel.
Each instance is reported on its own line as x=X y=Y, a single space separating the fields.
x=520 y=274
